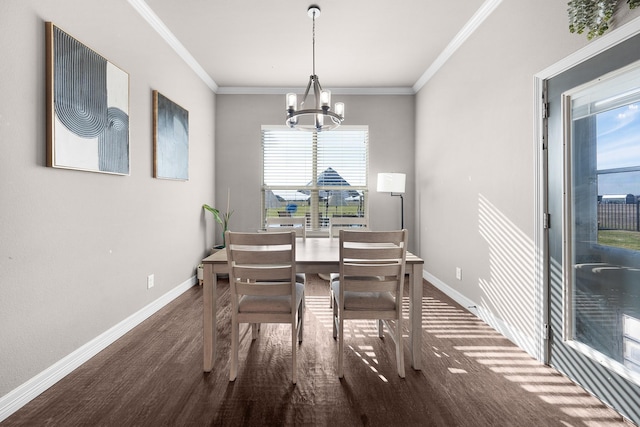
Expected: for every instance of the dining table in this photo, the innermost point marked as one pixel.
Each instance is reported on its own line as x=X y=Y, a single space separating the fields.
x=314 y=255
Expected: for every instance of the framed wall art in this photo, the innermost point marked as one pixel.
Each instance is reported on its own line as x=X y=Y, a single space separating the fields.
x=170 y=139
x=87 y=107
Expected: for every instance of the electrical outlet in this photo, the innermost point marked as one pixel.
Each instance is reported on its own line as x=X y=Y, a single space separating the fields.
x=458 y=273
x=150 y=280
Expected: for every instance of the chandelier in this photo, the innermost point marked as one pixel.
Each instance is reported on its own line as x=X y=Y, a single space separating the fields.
x=320 y=118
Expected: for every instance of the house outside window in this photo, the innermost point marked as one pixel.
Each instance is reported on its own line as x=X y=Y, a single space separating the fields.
x=317 y=175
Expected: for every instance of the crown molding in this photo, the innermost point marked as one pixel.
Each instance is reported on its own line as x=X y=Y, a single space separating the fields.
x=156 y=23
x=469 y=28
x=335 y=91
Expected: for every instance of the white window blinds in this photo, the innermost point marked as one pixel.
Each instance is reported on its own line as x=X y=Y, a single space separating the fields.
x=315 y=174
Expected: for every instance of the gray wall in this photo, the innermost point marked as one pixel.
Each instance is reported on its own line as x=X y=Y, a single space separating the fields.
x=239 y=154
x=475 y=145
x=76 y=247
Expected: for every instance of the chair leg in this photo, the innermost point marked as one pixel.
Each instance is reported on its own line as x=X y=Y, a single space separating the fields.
x=300 y=320
x=331 y=301
x=340 y=348
x=335 y=319
x=255 y=330
x=399 y=347
x=294 y=358
x=235 y=336
x=380 y=328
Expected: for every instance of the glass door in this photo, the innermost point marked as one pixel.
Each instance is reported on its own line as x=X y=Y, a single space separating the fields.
x=593 y=180
x=602 y=219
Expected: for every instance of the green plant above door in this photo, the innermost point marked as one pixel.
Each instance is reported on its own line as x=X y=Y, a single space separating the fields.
x=593 y=15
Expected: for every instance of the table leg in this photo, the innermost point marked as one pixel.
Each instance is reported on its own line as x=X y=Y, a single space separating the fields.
x=209 y=317
x=415 y=315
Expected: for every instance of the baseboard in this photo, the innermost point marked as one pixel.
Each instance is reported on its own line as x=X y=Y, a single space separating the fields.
x=515 y=336
x=26 y=392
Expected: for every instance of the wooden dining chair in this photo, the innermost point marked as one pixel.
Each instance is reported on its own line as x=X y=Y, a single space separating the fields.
x=280 y=224
x=337 y=223
x=370 y=285
x=274 y=224
x=262 y=276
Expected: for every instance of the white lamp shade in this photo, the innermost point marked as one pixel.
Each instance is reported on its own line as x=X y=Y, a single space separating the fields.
x=325 y=98
x=292 y=100
x=391 y=182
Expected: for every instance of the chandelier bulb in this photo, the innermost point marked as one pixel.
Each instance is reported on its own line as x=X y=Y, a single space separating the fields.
x=292 y=101
x=325 y=98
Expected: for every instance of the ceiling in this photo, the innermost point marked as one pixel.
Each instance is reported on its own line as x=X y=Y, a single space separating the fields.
x=360 y=45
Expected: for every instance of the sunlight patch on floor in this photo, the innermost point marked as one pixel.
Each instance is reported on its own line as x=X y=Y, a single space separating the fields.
x=445 y=321
x=365 y=329
x=449 y=322
x=367 y=356
x=551 y=387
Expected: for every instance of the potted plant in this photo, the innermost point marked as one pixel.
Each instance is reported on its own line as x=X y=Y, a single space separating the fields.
x=221 y=218
x=593 y=16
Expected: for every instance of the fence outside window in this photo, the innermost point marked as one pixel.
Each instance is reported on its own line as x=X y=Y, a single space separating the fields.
x=619 y=216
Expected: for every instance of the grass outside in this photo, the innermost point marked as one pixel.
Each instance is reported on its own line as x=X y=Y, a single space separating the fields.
x=620 y=239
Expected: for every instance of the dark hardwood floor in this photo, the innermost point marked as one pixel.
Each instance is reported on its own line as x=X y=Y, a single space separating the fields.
x=471 y=376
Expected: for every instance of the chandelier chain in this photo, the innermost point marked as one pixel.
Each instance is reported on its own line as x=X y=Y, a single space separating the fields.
x=313 y=43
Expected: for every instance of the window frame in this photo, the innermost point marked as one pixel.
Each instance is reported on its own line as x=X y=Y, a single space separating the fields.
x=318 y=224
x=578 y=241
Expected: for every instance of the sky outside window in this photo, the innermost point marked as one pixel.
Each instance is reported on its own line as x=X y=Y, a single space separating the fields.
x=618 y=146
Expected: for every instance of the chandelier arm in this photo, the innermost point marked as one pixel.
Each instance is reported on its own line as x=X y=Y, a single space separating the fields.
x=306 y=92
x=317 y=90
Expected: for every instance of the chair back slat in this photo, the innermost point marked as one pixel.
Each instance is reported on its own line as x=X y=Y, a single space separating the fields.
x=264 y=289
x=372 y=269
x=357 y=285
x=373 y=253
x=262 y=255
x=258 y=239
x=337 y=223
x=262 y=273
x=280 y=224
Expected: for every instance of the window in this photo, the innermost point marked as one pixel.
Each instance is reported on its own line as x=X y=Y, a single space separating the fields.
x=603 y=219
x=316 y=175
x=606 y=132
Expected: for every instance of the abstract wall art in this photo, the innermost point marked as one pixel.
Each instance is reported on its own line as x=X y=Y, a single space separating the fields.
x=170 y=139
x=87 y=108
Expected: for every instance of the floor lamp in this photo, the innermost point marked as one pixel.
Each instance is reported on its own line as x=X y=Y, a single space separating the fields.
x=393 y=183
